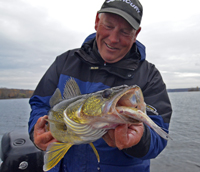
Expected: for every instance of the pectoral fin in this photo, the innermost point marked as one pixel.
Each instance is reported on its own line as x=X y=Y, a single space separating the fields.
x=54 y=153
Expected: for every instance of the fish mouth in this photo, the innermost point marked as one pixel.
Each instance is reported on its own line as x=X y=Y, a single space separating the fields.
x=128 y=97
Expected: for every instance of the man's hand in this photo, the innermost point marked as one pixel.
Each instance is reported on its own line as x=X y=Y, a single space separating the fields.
x=42 y=138
x=124 y=136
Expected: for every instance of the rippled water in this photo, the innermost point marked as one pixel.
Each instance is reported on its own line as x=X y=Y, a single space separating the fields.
x=182 y=153
x=14 y=114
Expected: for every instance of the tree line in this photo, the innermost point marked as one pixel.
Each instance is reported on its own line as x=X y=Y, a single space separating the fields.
x=194 y=89
x=6 y=93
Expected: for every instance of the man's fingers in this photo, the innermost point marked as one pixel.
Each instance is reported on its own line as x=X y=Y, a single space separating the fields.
x=41 y=122
x=121 y=137
x=42 y=138
x=40 y=126
x=128 y=135
x=46 y=137
x=109 y=138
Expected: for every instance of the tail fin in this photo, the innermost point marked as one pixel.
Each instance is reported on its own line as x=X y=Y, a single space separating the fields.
x=55 y=152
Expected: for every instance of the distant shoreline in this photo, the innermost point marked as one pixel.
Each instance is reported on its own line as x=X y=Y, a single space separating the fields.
x=7 y=93
x=183 y=89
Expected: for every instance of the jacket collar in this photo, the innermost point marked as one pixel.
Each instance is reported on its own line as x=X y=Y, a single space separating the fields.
x=123 y=68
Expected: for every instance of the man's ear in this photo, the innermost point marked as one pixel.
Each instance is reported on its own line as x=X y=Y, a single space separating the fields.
x=97 y=21
x=137 y=32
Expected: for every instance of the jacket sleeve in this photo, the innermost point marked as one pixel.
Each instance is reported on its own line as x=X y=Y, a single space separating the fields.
x=155 y=95
x=39 y=102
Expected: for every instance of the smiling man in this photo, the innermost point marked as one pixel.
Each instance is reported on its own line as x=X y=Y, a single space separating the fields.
x=108 y=58
x=115 y=36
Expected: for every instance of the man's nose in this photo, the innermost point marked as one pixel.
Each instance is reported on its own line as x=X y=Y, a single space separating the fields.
x=114 y=36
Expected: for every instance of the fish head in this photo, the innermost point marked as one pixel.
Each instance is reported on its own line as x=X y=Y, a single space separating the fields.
x=103 y=103
x=128 y=96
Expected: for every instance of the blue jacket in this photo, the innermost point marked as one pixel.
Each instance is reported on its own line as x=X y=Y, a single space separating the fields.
x=132 y=69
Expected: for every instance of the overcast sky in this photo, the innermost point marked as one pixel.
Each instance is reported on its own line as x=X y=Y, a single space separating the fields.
x=34 y=32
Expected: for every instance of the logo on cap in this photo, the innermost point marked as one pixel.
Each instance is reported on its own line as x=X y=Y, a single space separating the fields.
x=128 y=2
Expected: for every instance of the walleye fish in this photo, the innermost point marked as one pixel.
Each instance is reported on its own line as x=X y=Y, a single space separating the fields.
x=82 y=119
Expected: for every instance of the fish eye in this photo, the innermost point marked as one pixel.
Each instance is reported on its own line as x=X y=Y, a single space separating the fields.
x=106 y=93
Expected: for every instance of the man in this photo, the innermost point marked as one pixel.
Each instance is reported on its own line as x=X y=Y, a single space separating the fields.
x=112 y=58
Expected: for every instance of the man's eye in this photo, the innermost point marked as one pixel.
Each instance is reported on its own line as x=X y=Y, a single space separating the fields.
x=125 y=33
x=108 y=27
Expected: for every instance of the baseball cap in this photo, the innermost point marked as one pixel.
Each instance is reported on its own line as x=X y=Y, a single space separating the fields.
x=130 y=10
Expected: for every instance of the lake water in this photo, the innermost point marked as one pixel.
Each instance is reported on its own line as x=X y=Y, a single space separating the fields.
x=182 y=154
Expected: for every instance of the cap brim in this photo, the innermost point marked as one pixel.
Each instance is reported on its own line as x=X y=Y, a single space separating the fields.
x=121 y=13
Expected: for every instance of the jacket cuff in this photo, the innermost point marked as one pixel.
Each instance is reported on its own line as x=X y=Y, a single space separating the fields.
x=142 y=148
x=31 y=135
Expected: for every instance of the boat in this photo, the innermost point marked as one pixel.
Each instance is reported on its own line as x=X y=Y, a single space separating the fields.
x=18 y=153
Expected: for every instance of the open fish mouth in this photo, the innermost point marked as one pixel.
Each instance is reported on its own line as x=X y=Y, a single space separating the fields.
x=128 y=97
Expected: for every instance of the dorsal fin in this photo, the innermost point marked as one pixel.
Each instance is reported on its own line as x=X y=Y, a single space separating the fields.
x=71 y=89
x=55 y=98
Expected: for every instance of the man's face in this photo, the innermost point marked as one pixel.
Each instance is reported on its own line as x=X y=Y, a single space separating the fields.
x=114 y=37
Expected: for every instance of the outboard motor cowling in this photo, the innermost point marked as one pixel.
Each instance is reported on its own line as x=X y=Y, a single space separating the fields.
x=18 y=153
